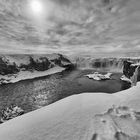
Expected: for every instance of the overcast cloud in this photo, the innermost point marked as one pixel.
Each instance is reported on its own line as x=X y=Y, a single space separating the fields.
x=71 y=26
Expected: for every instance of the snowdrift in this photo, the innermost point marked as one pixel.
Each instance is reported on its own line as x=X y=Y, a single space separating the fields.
x=89 y=116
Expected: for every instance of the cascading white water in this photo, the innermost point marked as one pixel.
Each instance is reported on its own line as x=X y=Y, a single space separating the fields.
x=135 y=77
x=109 y=64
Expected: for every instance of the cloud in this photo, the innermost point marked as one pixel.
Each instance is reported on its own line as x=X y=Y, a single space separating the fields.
x=73 y=26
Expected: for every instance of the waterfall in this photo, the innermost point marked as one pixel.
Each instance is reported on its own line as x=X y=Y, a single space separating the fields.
x=134 y=78
x=109 y=64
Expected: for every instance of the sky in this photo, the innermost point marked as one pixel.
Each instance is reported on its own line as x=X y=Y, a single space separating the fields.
x=70 y=27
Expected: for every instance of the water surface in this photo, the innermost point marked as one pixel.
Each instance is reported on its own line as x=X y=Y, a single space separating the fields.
x=39 y=92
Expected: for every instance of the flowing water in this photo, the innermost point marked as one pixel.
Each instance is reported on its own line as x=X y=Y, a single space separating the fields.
x=39 y=92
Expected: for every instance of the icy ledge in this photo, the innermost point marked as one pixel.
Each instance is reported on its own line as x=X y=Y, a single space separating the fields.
x=89 y=116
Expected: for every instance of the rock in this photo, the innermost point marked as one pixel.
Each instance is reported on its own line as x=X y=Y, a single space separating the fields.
x=10 y=113
x=11 y=64
x=128 y=70
x=62 y=61
x=40 y=64
x=14 y=65
x=6 y=67
x=131 y=71
x=124 y=78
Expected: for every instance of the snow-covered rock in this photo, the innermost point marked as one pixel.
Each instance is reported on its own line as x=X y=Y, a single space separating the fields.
x=10 y=113
x=86 y=116
x=131 y=72
x=124 y=78
x=97 y=76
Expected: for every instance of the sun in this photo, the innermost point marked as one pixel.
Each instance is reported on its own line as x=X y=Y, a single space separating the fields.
x=37 y=7
x=39 y=11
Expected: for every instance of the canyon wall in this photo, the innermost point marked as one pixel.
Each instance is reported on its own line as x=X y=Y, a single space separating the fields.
x=12 y=64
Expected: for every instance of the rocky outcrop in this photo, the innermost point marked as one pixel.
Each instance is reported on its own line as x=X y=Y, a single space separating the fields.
x=6 y=67
x=41 y=64
x=128 y=69
x=62 y=61
x=132 y=71
x=10 y=113
x=13 y=64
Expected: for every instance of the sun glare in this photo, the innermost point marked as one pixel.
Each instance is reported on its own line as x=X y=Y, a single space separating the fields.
x=36 y=6
x=39 y=11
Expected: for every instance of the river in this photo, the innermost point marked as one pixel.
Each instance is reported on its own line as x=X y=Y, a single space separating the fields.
x=36 y=93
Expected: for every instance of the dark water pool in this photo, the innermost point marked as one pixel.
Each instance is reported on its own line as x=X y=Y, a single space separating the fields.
x=35 y=93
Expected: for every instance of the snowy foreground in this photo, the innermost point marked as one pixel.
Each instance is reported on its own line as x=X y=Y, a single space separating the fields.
x=81 y=117
x=23 y=75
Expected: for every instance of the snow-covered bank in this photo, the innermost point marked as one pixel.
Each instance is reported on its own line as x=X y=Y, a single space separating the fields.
x=23 y=75
x=80 y=117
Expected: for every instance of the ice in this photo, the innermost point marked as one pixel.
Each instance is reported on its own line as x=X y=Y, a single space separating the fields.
x=97 y=76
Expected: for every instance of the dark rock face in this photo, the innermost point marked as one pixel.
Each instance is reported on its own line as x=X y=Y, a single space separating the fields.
x=7 y=68
x=129 y=69
x=32 y=63
x=62 y=61
x=40 y=65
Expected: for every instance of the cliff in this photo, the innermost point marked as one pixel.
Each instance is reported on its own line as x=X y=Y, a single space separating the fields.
x=14 y=68
x=6 y=67
x=132 y=70
x=12 y=64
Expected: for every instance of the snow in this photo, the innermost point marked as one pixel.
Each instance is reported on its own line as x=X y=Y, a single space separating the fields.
x=124 y=78
x=18 y=59
x=22 y=75
x=25 y=59
x=80 y=117
x=136 y=64
x=97 y=76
